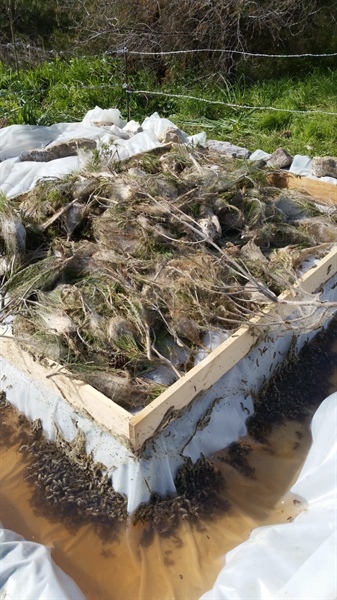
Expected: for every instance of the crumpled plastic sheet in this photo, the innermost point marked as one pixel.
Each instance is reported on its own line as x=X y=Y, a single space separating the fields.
x=28 y=572
x=301 y=165
x=19 y=177
x=119 y=140
x=296 y=560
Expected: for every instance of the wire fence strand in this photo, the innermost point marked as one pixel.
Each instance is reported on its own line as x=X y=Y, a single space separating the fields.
x=233 y=104
x=225 y=51
x=10 y=92
x=124 y=52
x=116 y=51
x=182 y=97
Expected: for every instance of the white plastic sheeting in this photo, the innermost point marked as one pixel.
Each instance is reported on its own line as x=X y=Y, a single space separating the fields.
x=296 y=560
x=18 y=177
x=231 y=400
x=301 y=165
x=28 y=572
x=119 y=139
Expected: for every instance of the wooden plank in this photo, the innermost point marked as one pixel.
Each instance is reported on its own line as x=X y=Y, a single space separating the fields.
x=198 y=379
x=220 y=361
x=313 y=279
x=322 y=190
x=81 y=397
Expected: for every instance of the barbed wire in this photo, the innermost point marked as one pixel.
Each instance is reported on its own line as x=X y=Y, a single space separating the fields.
x=56 y=53
x=124 y=87
x=224 y=51
x=233 y=104
x=118 y=51
x=80 y=87
x=131 y=91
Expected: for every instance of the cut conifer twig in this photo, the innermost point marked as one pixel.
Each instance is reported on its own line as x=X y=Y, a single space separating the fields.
x=56 y=216
x=237 y=268
x=167 y=362
x=30 y=279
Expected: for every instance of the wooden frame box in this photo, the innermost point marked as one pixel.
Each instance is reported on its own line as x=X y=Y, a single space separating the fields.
x=134 y=430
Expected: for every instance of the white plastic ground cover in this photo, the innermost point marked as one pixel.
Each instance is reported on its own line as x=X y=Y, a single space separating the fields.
x=225 y=408
x=296 y=560
x=119 y=139
x=280 y=562
x=301 y=165
x=28 y=572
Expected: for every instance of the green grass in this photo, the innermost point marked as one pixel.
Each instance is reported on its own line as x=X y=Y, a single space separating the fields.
x=65 y=90
x=312 y=134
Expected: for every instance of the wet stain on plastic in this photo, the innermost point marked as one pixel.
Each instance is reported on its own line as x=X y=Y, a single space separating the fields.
x=139 y=562
x=122 y=566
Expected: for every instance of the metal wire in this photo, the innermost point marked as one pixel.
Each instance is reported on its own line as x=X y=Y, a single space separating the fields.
x=234 y=105
x=240 y=52
x=183 y=97
x=167 y=53
x=80 y=87
x=124 y=51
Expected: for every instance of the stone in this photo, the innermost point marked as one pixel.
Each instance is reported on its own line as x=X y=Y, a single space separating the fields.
x=172 y=135
x=132 y=127
x=60 y=150
x=210 y=227
x=260 y=155
x=325 y=166
x=228 y=149
x=280 y=159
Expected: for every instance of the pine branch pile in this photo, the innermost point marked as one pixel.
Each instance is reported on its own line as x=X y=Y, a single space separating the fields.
x=120 y=271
